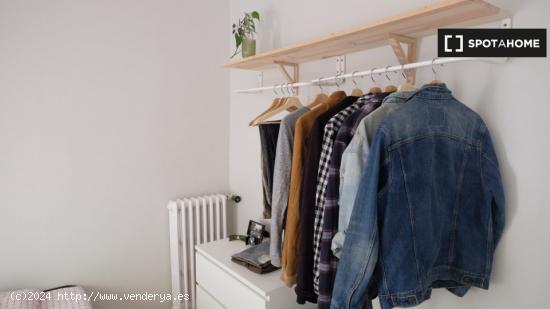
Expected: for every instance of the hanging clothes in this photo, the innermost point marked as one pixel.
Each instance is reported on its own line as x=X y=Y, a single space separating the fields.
x=268 y=137
x=327 y=262
x=354 y=161
x=290 y=241
x=429 y=212
x=368 y=104
x=304 y=268
x=281 y=179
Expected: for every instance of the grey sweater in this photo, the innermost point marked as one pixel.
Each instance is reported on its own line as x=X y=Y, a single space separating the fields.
x=281 y=182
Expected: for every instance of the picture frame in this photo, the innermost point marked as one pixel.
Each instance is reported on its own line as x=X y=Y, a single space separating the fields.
x=254 y=233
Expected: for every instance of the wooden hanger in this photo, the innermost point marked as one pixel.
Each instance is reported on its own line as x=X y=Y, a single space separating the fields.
x=435 y=81
x=290 y=104
x=278 y=101
x=356 y=92
x=321 y=98
x=405 y=86
x=335 y=93
x=337 y=90
x=390 y=87
x=374 y=89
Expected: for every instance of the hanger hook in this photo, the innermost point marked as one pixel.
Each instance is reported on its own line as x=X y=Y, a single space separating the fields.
x=403 y=71
x=319 y=84
x=372 y=75
x=282 y=92
x=353 y=78
x=433 y=67
x=386 y=73
x=275 y=90
x=336 y=80
x=287 y=89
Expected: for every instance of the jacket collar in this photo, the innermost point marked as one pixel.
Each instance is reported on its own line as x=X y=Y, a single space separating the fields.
x=398 y=97
x=434 y=92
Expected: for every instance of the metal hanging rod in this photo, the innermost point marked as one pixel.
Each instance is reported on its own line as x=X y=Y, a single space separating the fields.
x=414 y=65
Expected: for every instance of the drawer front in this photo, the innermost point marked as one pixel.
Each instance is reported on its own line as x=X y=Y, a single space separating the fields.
x=225 y=288
x=205 y=301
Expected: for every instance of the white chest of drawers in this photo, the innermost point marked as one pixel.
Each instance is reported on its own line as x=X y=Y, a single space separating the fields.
x=222 y=283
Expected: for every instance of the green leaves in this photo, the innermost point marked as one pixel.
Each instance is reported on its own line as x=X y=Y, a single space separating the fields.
x=245 y=28
x=238 y=40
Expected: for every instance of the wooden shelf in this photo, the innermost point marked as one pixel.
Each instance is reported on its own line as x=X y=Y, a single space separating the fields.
x=410 y=25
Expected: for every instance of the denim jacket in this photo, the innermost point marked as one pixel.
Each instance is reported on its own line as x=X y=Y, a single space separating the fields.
x=430 y=208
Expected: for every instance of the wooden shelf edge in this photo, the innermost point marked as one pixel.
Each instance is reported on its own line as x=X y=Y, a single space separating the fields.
x=376 y=33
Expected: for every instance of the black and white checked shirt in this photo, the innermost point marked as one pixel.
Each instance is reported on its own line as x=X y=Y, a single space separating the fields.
x=329 y=134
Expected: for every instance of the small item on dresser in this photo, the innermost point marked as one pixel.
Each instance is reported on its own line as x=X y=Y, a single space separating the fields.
x=255 y=233
x=255 y=258
x=238 y=237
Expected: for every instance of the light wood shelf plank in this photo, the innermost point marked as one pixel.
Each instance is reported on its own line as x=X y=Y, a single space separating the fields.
x=414 y=24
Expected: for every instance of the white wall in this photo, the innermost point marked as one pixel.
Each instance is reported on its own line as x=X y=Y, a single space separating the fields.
x=108 y=109
x=512 y=98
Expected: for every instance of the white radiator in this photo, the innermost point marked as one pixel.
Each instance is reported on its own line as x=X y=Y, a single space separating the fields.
x=193 y=220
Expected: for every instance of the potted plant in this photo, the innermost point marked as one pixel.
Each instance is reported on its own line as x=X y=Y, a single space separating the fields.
x=244 y=34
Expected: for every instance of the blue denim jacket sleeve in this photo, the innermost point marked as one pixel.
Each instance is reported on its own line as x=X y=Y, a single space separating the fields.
x=493 y=184
x=360 y=251
x=352 y=166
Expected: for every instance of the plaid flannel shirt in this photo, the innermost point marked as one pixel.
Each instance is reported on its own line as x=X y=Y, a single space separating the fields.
x=327 y=261
x=329 y=136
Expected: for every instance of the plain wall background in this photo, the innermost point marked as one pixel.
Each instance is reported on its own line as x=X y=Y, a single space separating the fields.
x=512 y=98
x=108 y=109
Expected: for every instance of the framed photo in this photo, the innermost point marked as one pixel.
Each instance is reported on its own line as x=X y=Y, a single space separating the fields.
x=255 y=233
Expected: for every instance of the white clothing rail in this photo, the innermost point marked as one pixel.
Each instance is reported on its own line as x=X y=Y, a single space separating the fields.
x=414 y=65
